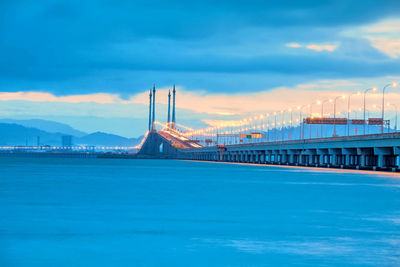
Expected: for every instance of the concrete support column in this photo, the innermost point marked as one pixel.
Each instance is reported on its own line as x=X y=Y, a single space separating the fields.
x=396 y=152
x=381 y=152
x=284 y=157
x=348 y=153
x=322 y=159
x=291 y=158
x=276 y=159
x=380 y=162
x=268 y=160
x=336 y=153
x=363 y=161
x=262 y=157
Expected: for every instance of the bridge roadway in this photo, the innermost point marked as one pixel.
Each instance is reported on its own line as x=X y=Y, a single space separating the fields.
x=376 y=152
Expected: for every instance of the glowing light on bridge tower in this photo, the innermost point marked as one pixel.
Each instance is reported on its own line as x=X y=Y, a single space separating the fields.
x=150 y=121
x=173 y=107
x=154 y=106
x=169 y=108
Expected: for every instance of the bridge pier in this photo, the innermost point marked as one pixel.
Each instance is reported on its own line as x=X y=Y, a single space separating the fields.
x=349 y=154
x=363 y=154
x=382 y=153
x=323 y=155
x=396 y=153
x=276 y=157
x=335 y=154
x=262 y=157
x=291 y=158
x=311 y=155
x=268 y=156
x=284 y=157
x=301 y=157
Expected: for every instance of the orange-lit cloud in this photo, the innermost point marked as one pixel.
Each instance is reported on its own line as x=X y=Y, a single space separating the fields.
x=277 y=99
x=383 y=35
x=100 y=98
x=319 y=48
x=272 y=100
x=293 y=45
x=315 y=47
x=389 y=46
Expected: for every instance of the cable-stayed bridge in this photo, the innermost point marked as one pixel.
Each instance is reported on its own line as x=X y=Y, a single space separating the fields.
x=296 y=136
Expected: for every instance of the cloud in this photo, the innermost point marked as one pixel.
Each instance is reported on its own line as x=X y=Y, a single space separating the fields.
x=229 y=105
x=293 y=45
x=129 y=115
x=63 y=48
x=200 y=102
x=316 y=47
x=384 y=26
x=383 y=35
x=48 y=97
x=319 y=48
x=390 y=46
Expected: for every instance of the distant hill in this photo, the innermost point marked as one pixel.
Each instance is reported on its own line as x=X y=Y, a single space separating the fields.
x=48 y=126
x=18 y=135
x=104 y=139
x=12 y=134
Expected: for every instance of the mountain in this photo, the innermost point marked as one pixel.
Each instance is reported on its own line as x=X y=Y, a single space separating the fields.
x=12 y=134
x=104 y=139
x=18 y=135
x=47 y=126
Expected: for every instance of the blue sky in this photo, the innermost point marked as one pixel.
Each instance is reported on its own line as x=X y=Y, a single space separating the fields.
x=212 y=50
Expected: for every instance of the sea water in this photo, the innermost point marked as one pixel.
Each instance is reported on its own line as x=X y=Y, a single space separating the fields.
x=111 y=212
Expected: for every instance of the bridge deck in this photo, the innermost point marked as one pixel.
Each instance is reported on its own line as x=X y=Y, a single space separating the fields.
x=375 y=151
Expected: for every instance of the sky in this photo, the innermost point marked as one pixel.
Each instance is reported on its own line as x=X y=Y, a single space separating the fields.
x=91 y=63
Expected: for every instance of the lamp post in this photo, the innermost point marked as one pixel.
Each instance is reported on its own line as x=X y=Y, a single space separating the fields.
x=311 y=117
x=275 y=130
x=283 y=129
x=262 y=125
x=334 y=114
x=301 y=117
x=393 y=84
x=373 y=89
x=268 y=127
x=348 y=111
x=395 y=108
x=322 y=112
x=291 y=122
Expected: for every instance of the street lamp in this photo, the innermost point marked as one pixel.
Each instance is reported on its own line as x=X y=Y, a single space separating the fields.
x=311 y=116
x=395 y=108
x=322 y=113
x=291 y=122
x=300 y=108
x=268 y=127
x=348 y=111
x=283 y=129
x=393 y=84
x=275 y=126
x=373 y=89
x=334 y=113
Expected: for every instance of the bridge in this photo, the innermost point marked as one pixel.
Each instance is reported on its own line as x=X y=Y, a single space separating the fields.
x=273 y=138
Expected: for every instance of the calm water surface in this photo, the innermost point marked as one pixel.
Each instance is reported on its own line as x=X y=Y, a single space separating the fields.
x=100 y=212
